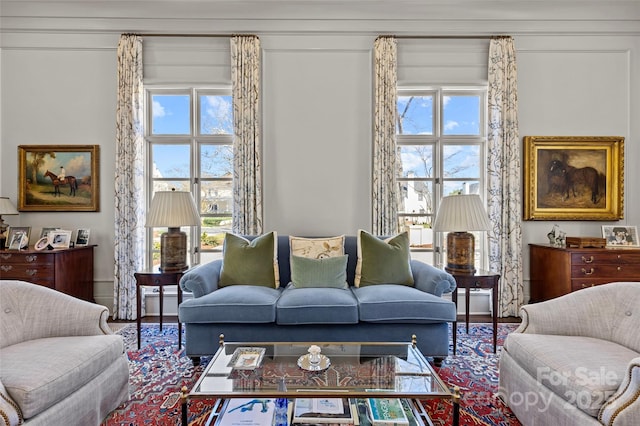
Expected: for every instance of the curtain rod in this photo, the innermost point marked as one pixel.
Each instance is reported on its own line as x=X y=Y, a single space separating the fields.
x=188 y=35
x=481 y=37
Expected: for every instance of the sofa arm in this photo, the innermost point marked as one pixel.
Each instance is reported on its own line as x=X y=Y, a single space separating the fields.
x=431 y=279
x=30 y=311
x=623 y=408
x=202 y=279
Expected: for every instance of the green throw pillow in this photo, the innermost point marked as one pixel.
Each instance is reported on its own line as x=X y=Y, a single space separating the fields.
x=383 y=262
x=324 y=272
x=252 y=263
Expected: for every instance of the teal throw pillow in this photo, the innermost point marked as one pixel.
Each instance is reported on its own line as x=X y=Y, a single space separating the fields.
x=323 y=272
x=250 y=263
x=383 y=261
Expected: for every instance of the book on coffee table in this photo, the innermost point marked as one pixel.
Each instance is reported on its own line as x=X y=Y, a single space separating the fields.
x=323 y=410
x=247 y=412
x=387 y=412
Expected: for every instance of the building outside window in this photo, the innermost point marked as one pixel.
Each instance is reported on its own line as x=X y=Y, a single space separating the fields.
x=441 y=136
x=189 y=147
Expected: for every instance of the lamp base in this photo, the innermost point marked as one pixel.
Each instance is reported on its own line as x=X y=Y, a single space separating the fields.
x=173 y=251
x=460 y=253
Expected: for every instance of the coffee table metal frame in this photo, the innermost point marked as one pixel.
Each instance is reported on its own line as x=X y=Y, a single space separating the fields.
x=438 y=388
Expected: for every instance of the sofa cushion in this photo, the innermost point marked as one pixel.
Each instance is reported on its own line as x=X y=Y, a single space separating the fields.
x=40 y=373
x=233 y=304
x=323 y=272
x=317 y=248
x=383 y=261
x=250 y=263
x=586 y=372
x=401 y=304
x=316 y=306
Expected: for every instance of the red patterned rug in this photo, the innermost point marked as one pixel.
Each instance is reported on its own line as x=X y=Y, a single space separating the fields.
x=159 y=370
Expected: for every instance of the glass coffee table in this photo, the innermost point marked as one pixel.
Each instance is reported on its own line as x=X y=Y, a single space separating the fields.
x=354 y=370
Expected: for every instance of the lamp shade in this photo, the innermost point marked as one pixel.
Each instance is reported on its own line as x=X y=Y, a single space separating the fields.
x=7 y=207
x=459 y=213
x=172 y=209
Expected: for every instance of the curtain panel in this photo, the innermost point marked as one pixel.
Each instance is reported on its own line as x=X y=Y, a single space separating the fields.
x=385 y=190
x=129 y=177
x=247 y=144
x=504 y=203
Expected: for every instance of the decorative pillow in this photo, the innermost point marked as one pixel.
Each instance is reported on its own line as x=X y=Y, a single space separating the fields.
x=317 y=248
x=252 y=263
x=323 y=272
x=9 y=410
x=383 y=262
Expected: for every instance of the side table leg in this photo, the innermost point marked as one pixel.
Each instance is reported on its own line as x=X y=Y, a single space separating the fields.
x=139 y=314
x=495 y=316
x=456 y=406
x=185 y=406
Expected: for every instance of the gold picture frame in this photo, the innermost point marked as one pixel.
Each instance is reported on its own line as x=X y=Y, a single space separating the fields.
x=40 y=187
x=573 y=177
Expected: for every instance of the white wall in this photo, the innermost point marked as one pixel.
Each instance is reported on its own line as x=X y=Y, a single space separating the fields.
x=578 y=75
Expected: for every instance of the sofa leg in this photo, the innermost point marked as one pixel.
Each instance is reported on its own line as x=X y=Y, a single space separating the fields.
x=437 y=361
x=195 y=360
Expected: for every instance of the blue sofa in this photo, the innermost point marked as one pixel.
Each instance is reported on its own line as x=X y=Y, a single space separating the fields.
x=381 y=312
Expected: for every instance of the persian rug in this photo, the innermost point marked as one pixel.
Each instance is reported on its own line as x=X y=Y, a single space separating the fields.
x=159 y=370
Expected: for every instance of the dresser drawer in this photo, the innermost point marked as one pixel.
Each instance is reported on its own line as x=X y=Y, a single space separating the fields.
x=9 y=258
x=611 y=256
x=43 y=274
x=619 y=272
x=579 y=284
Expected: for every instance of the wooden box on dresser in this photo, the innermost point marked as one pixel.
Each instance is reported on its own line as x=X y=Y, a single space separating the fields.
x=67 y=270
x=555 y=271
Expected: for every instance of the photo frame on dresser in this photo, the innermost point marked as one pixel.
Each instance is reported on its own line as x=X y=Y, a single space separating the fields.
x=82 y=237
x=60 y=239
x=620 y=235
x=18 y=237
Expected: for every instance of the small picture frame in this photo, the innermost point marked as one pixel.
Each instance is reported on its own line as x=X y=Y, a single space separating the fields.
x=82 y=237
x=45 y=232
x=620 y=235
x=60 y=239
x=246 y=358
x=18 y=237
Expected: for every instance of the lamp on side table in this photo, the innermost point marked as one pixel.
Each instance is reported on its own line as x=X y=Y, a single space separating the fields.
x=6 y=208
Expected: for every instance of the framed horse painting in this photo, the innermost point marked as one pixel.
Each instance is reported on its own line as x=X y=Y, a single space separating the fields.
x=58 y=178
x=573 y=177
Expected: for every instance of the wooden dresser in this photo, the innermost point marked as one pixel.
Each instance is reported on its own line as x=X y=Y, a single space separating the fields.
x=67 y=270
x=555 y=271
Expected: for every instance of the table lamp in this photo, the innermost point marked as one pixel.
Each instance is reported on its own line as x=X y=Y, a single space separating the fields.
x=6 y=208
x=173 y=209
x=457 y=215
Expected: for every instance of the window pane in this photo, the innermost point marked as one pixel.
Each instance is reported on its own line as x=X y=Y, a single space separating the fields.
x=170 y=161
x=460 y=187
x=461 y=161
x=420 y=232
x=212 y=232
x=216 y=115
x=417 y=161
x=461 y=115
x=168 y=185
x=216 y=161
x=417 y=197
x=170 y=115
x=216 y=197
x=415 y=115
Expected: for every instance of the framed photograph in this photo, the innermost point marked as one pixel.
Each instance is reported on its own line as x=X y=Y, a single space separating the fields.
x=573 y=177
x=45 y=232
x=82 y=237
x=18 y=237
x=58 y=178
x=620 y=235
x=60 y=238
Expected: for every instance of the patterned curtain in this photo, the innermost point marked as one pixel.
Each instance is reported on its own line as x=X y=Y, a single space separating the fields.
x=247 y=146
x=129 y=178
x=385 y=191
x=504 y=176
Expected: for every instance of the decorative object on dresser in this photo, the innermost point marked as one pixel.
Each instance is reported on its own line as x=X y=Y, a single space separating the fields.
x=556 y=271
x=6 y=208
x=573 y=177
x=67 y=270
x=586 y=242
x=82 y=237
x=457 y=215
x=18 y=237
x=173 y=209
x=60 y=238
x=69 y=182
x=620 y=235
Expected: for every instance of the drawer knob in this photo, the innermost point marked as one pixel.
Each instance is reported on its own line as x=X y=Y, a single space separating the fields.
x=589 y=272
x=6 y=268
x=32 y=272
x=619 y=268
x=31 y=258
x=587 y=285
x=587 y=260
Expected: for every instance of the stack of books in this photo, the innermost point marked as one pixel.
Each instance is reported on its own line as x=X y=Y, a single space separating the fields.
x=324 y=411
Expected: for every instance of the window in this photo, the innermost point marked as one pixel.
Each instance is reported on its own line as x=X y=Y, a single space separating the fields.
x=441 y=136
x=189 y=137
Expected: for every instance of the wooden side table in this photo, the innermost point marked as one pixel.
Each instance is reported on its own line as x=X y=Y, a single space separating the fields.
x=156 y=278
x=481 y=279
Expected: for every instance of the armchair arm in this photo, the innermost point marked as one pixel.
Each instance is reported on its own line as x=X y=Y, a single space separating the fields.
x=202 y=279
x=31 y=311
x=623 y=408
x=431 y=279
